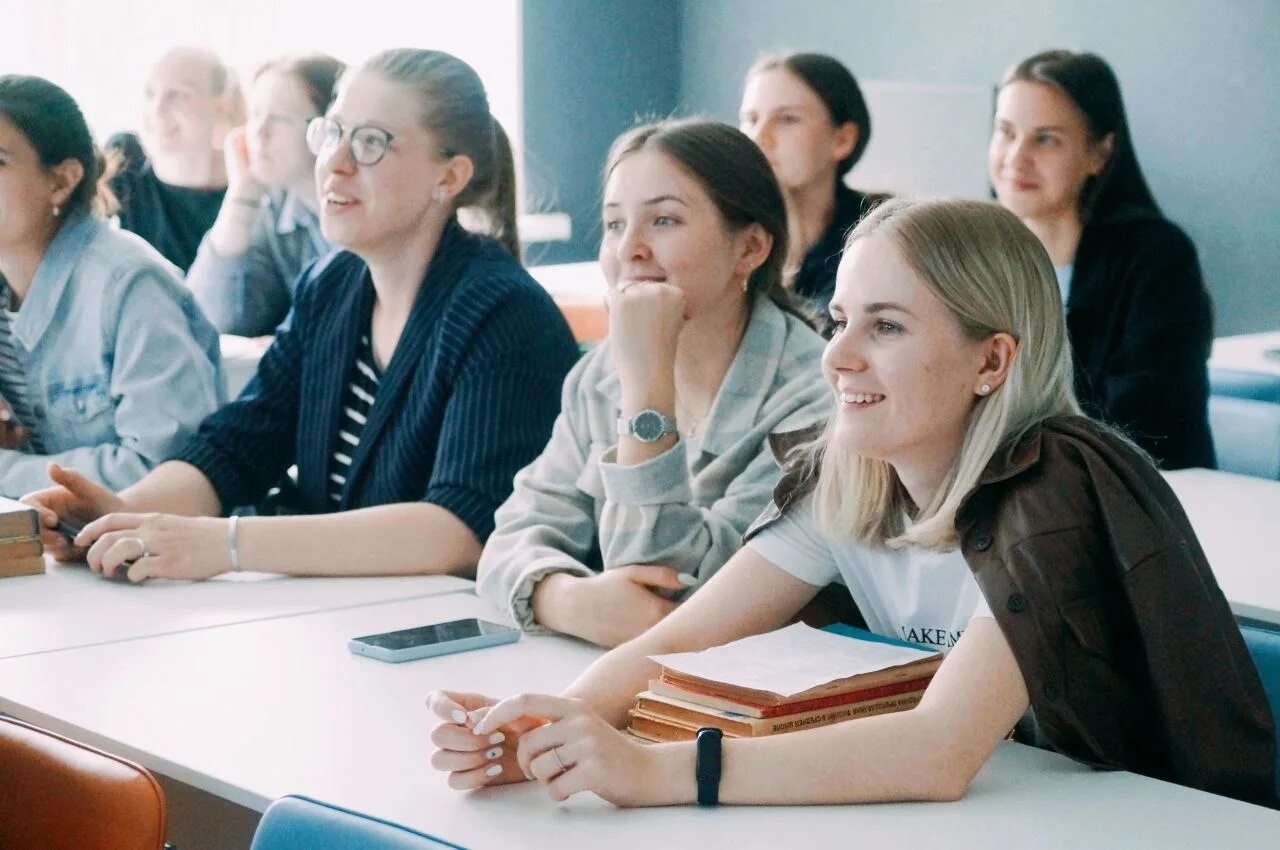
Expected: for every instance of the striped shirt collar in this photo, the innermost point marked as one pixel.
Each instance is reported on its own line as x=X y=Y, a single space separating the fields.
x=746 y=385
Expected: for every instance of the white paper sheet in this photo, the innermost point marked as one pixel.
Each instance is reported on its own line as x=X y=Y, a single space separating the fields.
x=790 y=660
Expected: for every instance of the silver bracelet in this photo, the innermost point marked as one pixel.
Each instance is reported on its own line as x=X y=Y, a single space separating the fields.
x=232 y=549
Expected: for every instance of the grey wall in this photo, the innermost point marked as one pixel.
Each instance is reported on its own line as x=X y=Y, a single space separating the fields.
x=591 y=67
x=1201 y=81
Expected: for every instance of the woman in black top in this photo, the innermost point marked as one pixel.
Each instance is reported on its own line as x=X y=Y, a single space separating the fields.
x=1139 y=317
x=418 y=371
x=807 y=114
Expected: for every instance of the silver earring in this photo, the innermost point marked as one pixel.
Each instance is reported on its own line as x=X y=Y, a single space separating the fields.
x=57 y=211
x=984 y=389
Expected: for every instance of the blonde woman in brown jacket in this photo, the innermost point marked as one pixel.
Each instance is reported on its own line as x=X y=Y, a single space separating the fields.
x=959 y=490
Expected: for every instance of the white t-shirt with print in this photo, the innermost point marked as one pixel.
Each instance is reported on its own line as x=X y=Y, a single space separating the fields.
x=914 y=594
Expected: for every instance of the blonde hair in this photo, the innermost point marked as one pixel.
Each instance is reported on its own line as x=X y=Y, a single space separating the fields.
x=993 y=275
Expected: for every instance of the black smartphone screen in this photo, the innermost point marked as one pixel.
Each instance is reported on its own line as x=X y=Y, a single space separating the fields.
x=433 y=634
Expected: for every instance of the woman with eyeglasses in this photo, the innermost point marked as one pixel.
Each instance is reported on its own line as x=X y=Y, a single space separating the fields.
x=419 y=369
x=268 y=229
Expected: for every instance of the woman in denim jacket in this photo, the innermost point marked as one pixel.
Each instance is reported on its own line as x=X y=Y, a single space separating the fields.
x=106 y=363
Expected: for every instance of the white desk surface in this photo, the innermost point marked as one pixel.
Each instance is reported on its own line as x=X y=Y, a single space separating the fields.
x=1247 y=353
x=572 y=283
x=69 y=606
x=1237 y=520
x=254 y=711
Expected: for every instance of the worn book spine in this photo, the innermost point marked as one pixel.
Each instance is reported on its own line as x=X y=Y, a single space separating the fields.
x=768 y=699
x=751 y=727
x=661 y=689
x=20 y=547
x=18 y=520
x=30 y=566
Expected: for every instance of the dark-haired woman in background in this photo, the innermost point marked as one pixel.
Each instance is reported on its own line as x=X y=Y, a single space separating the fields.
x=807 y=113
x=268 y=230
x=1139 y=317
x=661 y=457
x=418 y=371
x=106 y=363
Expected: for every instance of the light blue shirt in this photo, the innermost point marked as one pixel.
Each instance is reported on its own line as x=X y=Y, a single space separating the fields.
x=121 y=365
x=250 y=294
x=1064 y=274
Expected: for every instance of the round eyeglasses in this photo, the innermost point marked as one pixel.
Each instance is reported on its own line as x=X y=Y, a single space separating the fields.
x=369 y=144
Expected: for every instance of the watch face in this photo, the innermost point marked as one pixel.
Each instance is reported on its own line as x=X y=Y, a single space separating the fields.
x=647 y=426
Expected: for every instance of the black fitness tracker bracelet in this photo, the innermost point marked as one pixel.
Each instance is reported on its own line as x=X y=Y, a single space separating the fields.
x=707 y=765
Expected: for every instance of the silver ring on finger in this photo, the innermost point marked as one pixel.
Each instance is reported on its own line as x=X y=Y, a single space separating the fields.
x=142 y=544
x=555 y=751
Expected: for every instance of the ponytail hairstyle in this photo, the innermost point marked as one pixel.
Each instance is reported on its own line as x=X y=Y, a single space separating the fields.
x=993 y=275
x=737 y=177
x=52 y=122
x=1089 y=83
x=835 y=86
x=455 y=110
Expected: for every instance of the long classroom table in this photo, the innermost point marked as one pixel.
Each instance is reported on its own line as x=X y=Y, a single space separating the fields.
x=69 y=606
x=255 y=710
x=1237 y=521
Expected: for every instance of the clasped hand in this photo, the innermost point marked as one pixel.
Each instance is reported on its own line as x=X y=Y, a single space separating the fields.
x=645 y=321
x=557 y=741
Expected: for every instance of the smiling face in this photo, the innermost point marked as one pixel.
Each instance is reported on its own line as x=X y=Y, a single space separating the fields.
x=1041 y=153
x=279 y=110
x=661 y=225
x=27 y=192
x=182 y=114
x=791 y=124
x=903 y=370
x=372 y=209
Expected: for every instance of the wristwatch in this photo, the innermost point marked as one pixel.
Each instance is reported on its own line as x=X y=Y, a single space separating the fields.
x=647 y=426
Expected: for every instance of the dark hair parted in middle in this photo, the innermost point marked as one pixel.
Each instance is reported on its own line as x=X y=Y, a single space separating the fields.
x=52 y=122
x=835 y=86
x=737 y=177
x=1092 y=86
x=455 y=110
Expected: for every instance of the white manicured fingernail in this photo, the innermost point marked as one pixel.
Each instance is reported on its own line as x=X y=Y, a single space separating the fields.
x=493 y=770
x=495 y=753
x=459 y=716
x=687 y=580
x=497 y=738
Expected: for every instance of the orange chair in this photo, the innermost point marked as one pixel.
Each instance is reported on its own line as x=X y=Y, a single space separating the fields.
x=57 y=793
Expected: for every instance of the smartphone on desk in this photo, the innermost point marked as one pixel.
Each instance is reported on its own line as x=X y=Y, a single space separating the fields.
x=435 y=639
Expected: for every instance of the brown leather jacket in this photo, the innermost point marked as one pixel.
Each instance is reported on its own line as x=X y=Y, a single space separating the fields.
x=1131 y=656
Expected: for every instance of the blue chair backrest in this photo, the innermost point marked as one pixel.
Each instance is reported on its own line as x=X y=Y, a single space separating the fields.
x=1238 y=383
x=300 y=823
x=1246 y=435
x=1264 y=646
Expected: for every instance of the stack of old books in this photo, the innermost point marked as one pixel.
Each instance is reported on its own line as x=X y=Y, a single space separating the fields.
x=20 y=551
x=794 y=678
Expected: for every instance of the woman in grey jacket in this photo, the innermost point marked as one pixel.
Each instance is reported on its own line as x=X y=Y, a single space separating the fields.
x=660 y=457
x=106 y=363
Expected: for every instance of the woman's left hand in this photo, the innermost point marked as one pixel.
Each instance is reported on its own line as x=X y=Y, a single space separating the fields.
x=157 y=546
x=579 y=751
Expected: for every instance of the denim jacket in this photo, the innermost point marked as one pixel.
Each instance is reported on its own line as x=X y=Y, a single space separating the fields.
x=121 y=365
